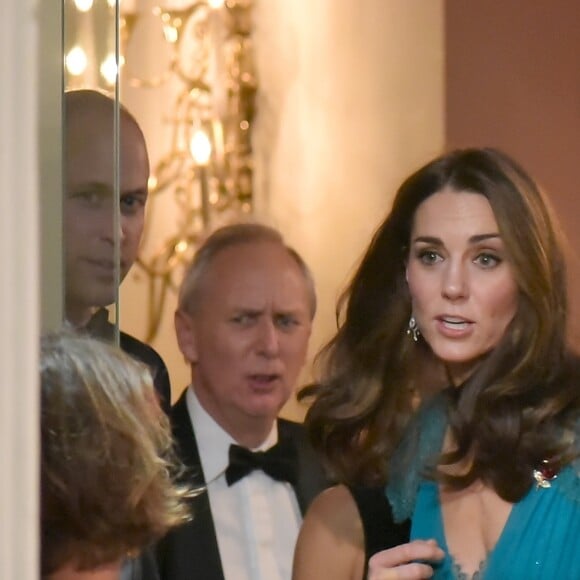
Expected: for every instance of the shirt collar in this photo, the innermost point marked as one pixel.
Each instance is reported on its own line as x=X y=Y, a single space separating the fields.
x=213 y=443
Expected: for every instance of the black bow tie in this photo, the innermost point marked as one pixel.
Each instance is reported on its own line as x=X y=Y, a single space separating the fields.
x=279 y=462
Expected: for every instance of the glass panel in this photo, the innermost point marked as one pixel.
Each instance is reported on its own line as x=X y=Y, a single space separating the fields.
x=94 y=168
x=50 y=83
x=89 y=44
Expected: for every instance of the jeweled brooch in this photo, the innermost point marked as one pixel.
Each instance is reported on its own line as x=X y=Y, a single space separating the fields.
x=544 y=475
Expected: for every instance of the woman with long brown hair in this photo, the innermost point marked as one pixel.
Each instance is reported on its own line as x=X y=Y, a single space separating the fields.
x=466 y=277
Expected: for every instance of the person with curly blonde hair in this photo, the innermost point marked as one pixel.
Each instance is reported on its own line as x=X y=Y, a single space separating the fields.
x=106 y=463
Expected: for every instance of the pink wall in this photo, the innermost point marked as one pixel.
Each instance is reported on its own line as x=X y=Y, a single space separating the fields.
x=513 y=81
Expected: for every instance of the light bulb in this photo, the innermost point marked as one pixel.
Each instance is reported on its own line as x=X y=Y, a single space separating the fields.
x=83 y=5
x=76 y=61
x=200 y=147
x=181 y=246
x=109 y=68
x=170 y=33
x=215 y=4
x=152 y=183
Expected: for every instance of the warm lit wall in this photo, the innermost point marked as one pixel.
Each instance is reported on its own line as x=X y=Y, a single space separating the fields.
x=513 y=81
x=351 y=99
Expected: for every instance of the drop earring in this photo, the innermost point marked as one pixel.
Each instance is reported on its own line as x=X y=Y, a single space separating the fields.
x=413 y=330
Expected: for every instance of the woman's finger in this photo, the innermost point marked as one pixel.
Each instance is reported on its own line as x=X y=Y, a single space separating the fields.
x=413 y=571
x=399 y=562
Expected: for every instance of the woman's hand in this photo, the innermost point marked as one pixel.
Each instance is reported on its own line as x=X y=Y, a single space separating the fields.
x=399 y=563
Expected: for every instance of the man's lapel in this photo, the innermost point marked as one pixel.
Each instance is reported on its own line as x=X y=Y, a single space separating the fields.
x=195 y=549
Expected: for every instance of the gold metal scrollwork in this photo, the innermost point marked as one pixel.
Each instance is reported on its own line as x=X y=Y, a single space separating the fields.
x=207 y=170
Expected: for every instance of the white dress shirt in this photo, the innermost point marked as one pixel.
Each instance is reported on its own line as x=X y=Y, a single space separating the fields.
x=257 y=519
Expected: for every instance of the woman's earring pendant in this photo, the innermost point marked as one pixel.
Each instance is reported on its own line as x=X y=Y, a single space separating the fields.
x=413 y=330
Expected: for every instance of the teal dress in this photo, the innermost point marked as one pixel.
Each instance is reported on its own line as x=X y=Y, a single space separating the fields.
x=541 y=538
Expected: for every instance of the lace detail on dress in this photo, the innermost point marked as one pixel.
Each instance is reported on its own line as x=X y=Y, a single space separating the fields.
x=459 y=574
x=418 y=450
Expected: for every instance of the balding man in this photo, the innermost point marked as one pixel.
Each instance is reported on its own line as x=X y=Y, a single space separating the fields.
x=243 y=322
x=89 y=234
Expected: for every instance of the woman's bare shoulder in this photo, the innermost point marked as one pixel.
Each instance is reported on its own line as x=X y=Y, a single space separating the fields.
x=336 y=508
x=331 y=541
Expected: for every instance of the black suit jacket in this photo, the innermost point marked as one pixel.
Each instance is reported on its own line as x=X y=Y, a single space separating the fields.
x=100 y=327
x=191 y=551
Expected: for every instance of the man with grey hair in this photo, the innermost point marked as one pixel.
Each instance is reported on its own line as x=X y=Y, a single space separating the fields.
x=243 y=322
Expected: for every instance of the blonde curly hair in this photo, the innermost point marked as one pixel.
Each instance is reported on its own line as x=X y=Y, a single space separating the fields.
x=107 y=463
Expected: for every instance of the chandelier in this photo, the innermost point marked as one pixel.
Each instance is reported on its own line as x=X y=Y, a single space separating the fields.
x=207 y=169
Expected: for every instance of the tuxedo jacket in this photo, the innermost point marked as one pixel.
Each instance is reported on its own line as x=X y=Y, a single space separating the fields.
x=149 y=356
x=100 y=327
x=191 y=551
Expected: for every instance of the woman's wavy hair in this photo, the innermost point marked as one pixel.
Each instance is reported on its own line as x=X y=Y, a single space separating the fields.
x=504 y=417
x=106 y=464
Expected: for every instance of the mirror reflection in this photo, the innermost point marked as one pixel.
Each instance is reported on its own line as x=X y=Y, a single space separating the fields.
x=105 y=173
x=89 y=44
